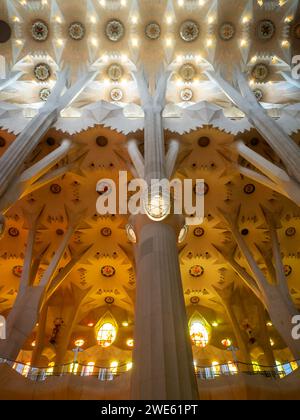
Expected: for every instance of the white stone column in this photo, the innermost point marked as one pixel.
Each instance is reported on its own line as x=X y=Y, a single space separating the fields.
x=13 y=159
x=172 y=155
x=10 y=80
x=162 y=361
x=272 y=132
x=271 y=175
x=136 y=157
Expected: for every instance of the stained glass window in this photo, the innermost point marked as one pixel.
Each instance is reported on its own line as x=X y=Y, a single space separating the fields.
x=106 y=335
x=199 y=334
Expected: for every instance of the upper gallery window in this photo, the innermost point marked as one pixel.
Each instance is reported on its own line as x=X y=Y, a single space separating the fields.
x=106 y=335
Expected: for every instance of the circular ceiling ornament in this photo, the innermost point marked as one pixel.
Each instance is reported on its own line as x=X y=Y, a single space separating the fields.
x=44 y=94
x=290 y=232
x=55 y=189
x=189 y=31
x=260 y=72
x=266 y=30
x=287 y=270
x=249 y=189
x=51 y=141
x=186 y=95
x=76 y=31
x=227 y=31
x=199 y=232
x=13 y=232
x=101 y=141
x=104 y=188
x=109 y=300
x=196 y=271
x=204 y=142
x=254 y=141
x=60 y=232
x=187 y=72
x=245 y=232
x=153 y=31
x=2 y=142
x=201 y=189
x=116 y=94
x=17 y=271
x=42 y=72
x=115 y=72
x=39 y=31
x=195 y=300
x=297 y=31
x=5 y=32
x=106 y=232
x=114 y=30
x=258 y=93
x=108 y=271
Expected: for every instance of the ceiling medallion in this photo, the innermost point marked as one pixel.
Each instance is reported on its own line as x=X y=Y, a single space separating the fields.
x=186 y=95
x=42 y=72
x=13 y=232
x=76 y=31
x=204 y=142
x=115 y=72
x=260 y=72
x=199 y=232
x=249 y=189
x=189 y=31
x=55 y=189
x=5 y=32
x=109 y=300
x=108 y=271
x=50 y=141
x=297 y=31
x=187 y=72
x=2 y=142
x=17 y=271
x=195 y=300
x=290 y=232
x=106 y=232
x=114 y=30
x=266 y=30
x=287 y=270
x=196 y=271
x=39 y=31
x=101 y=141
x=152 y=31
x=227 y=31
x=44 y=94
x=258 y=93
x=116 y=94
x=201 y=189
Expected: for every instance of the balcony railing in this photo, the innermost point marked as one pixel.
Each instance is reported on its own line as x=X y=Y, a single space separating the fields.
x=109 y=373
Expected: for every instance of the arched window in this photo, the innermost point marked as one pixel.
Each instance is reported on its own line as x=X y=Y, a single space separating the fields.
x=199 y=334
x=106 y=335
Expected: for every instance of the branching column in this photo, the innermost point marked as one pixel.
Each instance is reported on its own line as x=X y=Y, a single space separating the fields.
x=11 y=163
x=162 y=360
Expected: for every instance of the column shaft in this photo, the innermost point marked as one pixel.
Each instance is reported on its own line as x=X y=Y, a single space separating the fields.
x=163 y=362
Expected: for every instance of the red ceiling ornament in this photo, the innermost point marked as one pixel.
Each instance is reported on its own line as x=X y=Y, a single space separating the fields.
x=108 y=271
x=196 y=271
x=17 y=270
